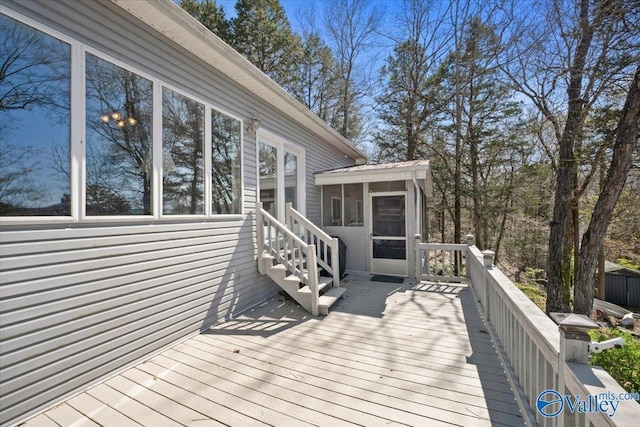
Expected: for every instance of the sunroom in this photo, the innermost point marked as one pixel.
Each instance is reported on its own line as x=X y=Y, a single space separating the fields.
x=376 y=210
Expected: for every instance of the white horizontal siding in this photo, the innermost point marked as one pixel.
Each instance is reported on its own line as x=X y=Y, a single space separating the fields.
x=79 y=301
x=75 y=309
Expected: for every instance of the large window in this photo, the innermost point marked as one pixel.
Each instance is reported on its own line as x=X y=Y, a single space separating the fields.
x=119 y=140
x=226 y=177
x=182 y=151
x=122 y=144
x=35 y=158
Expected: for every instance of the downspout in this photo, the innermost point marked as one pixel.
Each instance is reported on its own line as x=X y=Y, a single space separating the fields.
x=414 y=253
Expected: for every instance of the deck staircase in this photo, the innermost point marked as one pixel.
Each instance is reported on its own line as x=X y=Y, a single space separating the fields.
x=293 y=255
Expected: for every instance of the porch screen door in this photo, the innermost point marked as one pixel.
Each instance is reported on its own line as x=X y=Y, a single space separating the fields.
x=389 y=233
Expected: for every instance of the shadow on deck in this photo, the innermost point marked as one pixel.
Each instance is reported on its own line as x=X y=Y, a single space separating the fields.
x=386 y=354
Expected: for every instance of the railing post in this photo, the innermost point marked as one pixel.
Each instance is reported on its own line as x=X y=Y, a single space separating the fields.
x=260 y=237
x=470 y=239
x=574 y=347
x=487 y=260
x=335 y=262
x=288 y=220
x=487 y=257
x=312 y=272
x=417 y=271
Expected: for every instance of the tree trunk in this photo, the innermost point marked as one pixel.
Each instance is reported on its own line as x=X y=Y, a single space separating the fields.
x=561 y=207
x=593 y=238
x=457 y=178
x=600 y=277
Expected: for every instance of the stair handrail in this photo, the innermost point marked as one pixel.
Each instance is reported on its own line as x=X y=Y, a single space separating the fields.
x=278 y=240
x=314 y=235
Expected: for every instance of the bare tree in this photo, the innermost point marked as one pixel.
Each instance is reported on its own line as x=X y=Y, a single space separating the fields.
x=592 y=240
x=564 y=63
x=412 y=99
x=351 y=26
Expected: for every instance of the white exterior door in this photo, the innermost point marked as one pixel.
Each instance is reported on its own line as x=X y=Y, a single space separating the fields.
x=389 y=233
x=280 y=175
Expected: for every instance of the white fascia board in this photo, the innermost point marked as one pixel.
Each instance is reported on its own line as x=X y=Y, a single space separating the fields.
x=361 y=177
x=169 y=19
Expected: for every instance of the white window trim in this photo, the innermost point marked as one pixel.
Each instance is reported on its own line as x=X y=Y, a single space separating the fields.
x=210 y=170
x=206 y=196
x=82 y=123
x=77 y=142
x=73 y=161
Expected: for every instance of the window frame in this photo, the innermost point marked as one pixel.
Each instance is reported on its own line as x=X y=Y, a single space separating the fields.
x=83 y=125
x=74 y=133
x=209 y=168
x=78 y=134
x=158 y=158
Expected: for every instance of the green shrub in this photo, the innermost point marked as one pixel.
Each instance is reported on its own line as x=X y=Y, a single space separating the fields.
x=535 y=294
x=622 y=364
x=532 y=273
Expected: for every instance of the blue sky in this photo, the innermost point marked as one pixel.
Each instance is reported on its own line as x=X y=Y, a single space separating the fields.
x=293 y=7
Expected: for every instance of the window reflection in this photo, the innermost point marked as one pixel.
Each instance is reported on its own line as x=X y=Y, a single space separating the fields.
x=183 y=163
x=226 y=178
x=291 y=179
x=119 y=140
x=34 y=121
x=268 y=178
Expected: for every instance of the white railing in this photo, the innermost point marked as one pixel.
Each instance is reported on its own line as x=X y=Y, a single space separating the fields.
x=327 y=254
x=440 y=261
x=289 y=250
x=530 y=343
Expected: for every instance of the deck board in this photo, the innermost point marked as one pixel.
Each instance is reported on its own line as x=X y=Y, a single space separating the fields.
x=387 y=354
x=64 y=415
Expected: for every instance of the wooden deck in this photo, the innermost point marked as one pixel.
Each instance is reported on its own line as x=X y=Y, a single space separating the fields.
x=387 y=354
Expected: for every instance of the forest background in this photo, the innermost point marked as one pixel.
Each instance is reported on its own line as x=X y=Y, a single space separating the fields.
x=527 y=109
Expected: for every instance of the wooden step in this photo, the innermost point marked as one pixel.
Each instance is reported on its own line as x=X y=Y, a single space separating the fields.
x=277 y=272
x=329 y=298
x=265 y=261
x=291 y=284
x=323 y=283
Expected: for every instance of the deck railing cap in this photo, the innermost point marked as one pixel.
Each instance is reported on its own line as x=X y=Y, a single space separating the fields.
x=488 y=257
x=573 y=323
